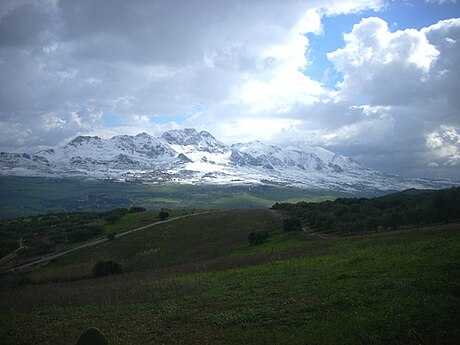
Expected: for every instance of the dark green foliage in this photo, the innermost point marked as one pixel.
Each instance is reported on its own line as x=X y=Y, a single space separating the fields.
x=292 y=224
x=258 y=237
x=163 y=215
x=276 y=206
x=92 y=336
x=361 y=215
x=106 y=268
x=136 y=209
x=38 y=248
x=454 y=289
x=115 y=215
x=85 y=233
x=111 y=236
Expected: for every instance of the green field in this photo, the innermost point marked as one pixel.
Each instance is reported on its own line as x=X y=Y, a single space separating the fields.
x=23 y=196
x=198 y=281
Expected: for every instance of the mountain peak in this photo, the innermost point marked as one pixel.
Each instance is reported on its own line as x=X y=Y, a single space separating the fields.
x=83 y=139
x=191 y=156
x=203 y=141
x=186 y=136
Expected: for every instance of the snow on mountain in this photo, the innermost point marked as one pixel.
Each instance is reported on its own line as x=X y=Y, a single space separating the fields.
x=189 y=156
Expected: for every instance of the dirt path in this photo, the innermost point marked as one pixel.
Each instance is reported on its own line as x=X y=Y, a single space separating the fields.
x=45 y=259
x=312 y=233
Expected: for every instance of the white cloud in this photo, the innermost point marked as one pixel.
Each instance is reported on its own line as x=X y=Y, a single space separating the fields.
x=234 y=68
x=441 y=2
x=387 y=67
x=444 y=146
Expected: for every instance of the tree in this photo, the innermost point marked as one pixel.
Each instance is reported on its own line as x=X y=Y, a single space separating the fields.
x=258 y=237
x=111 y=236
x=92 y=336
x=292 y=224
x=136 y=209
x=115 y=215
x=106 y=268
x=163 y=215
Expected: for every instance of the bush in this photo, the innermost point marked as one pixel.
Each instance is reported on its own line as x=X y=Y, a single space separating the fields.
x=106 y=268
x=163 y=215
x=115 y=215
x=38 y=248
x=258 y=237
x=292 y=224
x=85 y=233
x=111 y=236
x=92 y=336
x=136 y=209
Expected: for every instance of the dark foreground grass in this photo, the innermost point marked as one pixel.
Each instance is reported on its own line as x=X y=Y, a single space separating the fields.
x=392 y=289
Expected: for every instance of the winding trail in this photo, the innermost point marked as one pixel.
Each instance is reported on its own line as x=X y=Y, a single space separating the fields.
x=45 y=259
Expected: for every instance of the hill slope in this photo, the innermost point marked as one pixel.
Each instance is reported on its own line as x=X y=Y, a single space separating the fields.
x=197 y=281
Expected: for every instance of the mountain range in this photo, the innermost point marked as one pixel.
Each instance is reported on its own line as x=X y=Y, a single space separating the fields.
x=189 y=156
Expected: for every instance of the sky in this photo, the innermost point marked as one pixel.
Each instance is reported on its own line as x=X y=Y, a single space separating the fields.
x=376 y=80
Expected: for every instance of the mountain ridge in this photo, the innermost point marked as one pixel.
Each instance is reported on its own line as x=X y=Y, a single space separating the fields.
x=189 y=156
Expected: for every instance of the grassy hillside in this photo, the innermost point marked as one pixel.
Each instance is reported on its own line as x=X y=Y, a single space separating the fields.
x=37 y=195
x=198 y=281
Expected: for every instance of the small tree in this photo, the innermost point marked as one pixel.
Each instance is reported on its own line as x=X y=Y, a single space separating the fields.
x=163 y=215
x=106 y=268
x=92 y=336
x=257 y=237
x=136 y=209
x=111 y=236
x=292 y=224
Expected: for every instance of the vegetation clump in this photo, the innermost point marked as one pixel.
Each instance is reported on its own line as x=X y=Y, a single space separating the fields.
x=85 y=233
x=136 y=209
x=292 y=224
x=258 y=237
x=106 y=268
x=115 y=215
x=362 y=215
x=111 y=236
x=92 y=336
x=163 y=215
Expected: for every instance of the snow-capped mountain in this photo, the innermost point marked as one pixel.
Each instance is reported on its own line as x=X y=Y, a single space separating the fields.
x=189 y=156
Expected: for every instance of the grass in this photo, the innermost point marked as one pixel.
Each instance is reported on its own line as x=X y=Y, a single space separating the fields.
x=23 y=196
x=390 y=289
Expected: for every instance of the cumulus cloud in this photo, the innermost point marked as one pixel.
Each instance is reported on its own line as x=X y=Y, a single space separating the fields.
x=234 y=68
x=388 y=67
x=408 y=81
x=444 y=146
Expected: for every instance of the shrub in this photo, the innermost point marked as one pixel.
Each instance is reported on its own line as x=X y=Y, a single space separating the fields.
x=92 y=336
x=163 y=215
x=85 y=233
x=111 y=236
x=136 y=209
x=106 y=268
x=291 y=224
x=257 y=237
x=115 y=215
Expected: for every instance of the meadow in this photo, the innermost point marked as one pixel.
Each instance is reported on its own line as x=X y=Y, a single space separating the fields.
x=25 y=196
x=198 y=281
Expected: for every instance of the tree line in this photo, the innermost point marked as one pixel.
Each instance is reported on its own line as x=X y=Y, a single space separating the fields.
x=363 y=215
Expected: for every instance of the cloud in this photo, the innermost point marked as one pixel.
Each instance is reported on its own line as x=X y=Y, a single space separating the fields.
x=386 y=67
x=444 y=146
x=400 y=86
x=237 y=69
x=441 y=2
